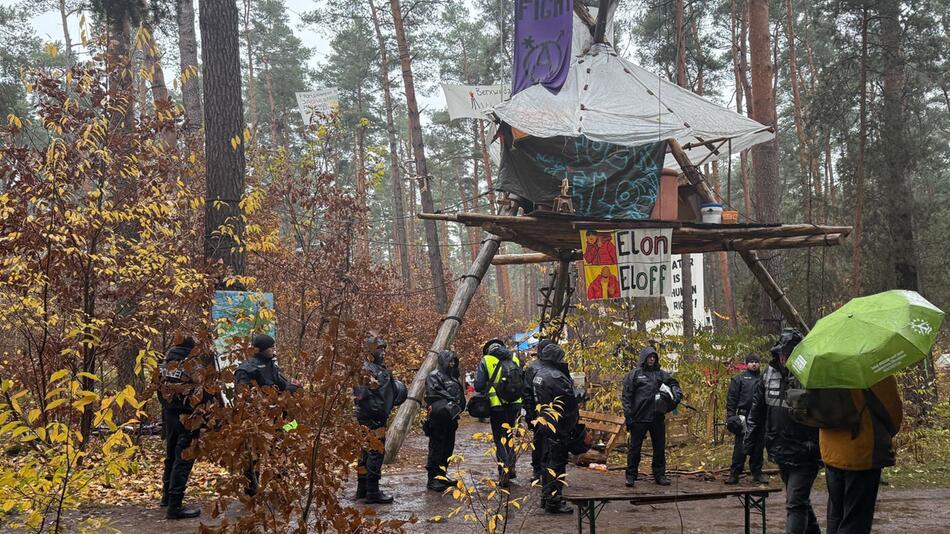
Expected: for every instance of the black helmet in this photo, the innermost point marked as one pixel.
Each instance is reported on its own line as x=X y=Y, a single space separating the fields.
x=787 y=340
x=262 y=342
x=490 y=342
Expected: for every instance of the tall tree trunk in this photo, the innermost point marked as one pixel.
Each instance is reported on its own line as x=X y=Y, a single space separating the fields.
x=724 y=272
x=501 y=271
x=67 y=40
x=764 y=155
x=422 y=171
x=188 y=62
x=153 y=65
x=224 y=132
x=399 y=224
x=251 y=83
x=685 y=265
x=859 y=164
x=743 y=92
x=362 y=248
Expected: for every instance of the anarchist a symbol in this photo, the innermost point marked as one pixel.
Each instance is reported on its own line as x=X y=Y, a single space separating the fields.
x=542 y=61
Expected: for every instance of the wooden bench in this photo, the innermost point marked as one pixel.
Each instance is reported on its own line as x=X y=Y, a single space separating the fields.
x=603 y=427
x=591 y=499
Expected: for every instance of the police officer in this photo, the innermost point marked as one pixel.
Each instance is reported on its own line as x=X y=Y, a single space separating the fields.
x=553 y=386
x=793 y=446
x=502 y=413
x=375 y=397
x=738 y=403
x=648 y=394
x=262 y=371
x=177 y=386
x=531 y=412
x=445 y=400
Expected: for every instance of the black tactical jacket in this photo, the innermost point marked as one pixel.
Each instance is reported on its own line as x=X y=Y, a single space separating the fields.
x=741 y=390
x=640 y=388
x=788 y=442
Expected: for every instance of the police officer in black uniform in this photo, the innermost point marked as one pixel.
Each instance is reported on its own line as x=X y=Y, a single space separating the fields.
x=262 y=371
x=445 y=399
x=738 y=403
x=176 y=389
x=552 y=383
x=531 y=412
x=649 y=393
x=374 y=399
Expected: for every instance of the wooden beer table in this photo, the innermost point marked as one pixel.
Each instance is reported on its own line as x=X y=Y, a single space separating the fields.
x=591 y=498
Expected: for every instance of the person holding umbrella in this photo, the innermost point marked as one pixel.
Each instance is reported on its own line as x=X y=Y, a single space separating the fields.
x=859 y=348
x=791 y=445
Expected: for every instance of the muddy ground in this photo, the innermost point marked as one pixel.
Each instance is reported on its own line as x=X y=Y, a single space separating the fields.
x=905 y=511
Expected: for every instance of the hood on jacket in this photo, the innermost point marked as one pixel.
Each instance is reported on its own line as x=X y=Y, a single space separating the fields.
x=449 y=363
x=179 y=352
x=552 y=353
x=645 y=353
x=488 y=345
x=499 y=351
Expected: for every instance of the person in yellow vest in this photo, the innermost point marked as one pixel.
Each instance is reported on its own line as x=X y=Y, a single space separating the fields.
x=854 y=457
x=499 y=375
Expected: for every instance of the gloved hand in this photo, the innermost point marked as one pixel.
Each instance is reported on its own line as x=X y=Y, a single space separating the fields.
x=734 y=424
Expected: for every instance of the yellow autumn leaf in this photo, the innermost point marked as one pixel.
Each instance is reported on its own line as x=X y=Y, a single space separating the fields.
x=51 y=49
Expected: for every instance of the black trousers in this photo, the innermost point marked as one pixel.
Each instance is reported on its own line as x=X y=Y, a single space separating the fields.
x=638 y=432
x=177 y=469
x=501 y=415
x=739 y=454
x=799 y=515
x=538 y=450
x=441 y=446
x=372 y=462
x=851 y=499
x=553 y=458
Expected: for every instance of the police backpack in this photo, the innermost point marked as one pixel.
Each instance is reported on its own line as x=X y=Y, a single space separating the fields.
x=510 y=384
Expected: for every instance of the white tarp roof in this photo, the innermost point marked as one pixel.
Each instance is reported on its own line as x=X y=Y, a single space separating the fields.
x=608 y=98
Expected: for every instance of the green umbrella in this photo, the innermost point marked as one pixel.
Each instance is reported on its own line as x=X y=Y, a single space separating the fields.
x=867 y=340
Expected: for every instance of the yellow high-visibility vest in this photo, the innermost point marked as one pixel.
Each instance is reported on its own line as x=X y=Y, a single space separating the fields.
x=490 y=363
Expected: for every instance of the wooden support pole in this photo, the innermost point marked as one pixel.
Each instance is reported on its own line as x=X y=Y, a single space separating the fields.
x=774 y=291
x=397 y=431
x=561 y=283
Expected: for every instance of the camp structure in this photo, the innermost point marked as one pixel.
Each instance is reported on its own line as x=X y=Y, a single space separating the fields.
x=616 y=148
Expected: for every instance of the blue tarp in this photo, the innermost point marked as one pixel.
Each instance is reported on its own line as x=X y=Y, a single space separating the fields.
x=526 y=340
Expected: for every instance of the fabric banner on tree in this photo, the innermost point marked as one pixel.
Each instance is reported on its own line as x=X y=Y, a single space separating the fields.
x=606 y=180
x=543 y=31
x=473 y=101
x=627 y=263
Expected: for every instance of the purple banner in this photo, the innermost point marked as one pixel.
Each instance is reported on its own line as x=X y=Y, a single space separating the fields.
x=542 y=43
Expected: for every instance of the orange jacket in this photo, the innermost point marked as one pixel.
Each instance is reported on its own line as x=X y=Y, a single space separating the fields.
x=871 y=447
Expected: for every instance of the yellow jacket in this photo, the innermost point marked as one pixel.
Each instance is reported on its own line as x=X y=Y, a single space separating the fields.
x=871 y=447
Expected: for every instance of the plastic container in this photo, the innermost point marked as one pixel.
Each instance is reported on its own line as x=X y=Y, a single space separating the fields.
x=730 y=217
x=712 y=213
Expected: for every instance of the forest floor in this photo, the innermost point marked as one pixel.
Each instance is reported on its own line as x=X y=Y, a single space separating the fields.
x=910 y=502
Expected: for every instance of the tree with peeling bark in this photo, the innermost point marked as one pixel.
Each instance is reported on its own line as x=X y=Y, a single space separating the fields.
x=188 y=64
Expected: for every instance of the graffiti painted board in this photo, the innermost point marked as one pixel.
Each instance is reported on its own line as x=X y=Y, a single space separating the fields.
x=606 y=181
x=237 y=316
x=627 y=263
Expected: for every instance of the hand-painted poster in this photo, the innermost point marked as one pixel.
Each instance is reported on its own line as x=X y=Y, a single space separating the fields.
x=237 y=316
x=627 y=263
x=473 y=101
x=543 y=31
x=606 y=180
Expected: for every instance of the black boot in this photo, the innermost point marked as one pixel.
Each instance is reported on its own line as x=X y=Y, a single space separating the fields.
x=559 y=507
x=733 y=479
x=439 y=485
x=176 y=511
x=360 y=488
x=661 y=480
x=164 y=502
x=760 y=479
x=373 y=493
x=631 y=481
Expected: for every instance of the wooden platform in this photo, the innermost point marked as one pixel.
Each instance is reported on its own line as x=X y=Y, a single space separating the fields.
x=558 y=235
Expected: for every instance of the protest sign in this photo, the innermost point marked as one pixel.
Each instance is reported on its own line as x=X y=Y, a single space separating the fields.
x=237 y=316
x=627 y=263
x=674 y=301
x=542 y=43
x=473 y=101
x=311 y=103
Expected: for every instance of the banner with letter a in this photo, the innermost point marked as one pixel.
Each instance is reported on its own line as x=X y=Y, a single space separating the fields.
x=627 y=263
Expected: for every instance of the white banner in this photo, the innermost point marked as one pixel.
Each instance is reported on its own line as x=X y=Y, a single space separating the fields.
x=322 y=100
x=473 y=101
x=674 y=302
x=627 y=263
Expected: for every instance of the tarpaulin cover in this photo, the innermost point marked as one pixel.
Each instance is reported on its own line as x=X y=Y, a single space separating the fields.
x=607 y=98
x=606 y=180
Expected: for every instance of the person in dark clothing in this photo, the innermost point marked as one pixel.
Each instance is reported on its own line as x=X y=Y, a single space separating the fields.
x=502 y=412
x=553 y=384
x=375 y=398
x=648 y=394
x=174 y=398
x=262 y=371
x=738 y=403
x=445 y=399
x=531 y=412
x=793 y=446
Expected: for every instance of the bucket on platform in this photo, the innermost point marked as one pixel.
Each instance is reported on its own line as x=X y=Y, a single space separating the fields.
x=712 y=213
x=730 y=217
